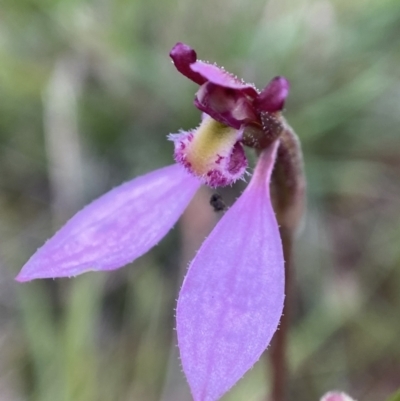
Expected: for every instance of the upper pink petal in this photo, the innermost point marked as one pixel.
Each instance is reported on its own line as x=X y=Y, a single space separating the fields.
x=219 y=76
x=185 y=60
x=117 y=228
x=231 y=300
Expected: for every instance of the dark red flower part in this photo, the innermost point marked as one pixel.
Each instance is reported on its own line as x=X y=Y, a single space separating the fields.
x=223 y=96
x=273 y=97
x=226 y=105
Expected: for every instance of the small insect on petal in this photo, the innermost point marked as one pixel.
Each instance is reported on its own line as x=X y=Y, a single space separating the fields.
x=231 y=300
x=117 y=228
x=217 y=203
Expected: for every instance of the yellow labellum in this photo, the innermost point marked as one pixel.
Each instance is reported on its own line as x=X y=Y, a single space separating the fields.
x=212 y=142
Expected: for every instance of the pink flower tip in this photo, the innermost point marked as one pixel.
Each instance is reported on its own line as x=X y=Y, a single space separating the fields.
x=336 y=396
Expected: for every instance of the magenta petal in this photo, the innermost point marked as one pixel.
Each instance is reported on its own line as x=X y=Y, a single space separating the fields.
x=232 y=297
x=228 y=106
x=273 y=97
x=117 y=228
x=220 y=77
x=185 y=60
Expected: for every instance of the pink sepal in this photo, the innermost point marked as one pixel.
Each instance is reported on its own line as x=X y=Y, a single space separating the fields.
x=116 y=228
x=232 y=297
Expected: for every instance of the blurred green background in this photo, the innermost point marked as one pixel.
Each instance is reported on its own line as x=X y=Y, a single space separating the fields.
x=87 y=97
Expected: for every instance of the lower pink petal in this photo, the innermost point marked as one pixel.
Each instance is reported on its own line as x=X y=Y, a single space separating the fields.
x=117 y=228
x=232 y=297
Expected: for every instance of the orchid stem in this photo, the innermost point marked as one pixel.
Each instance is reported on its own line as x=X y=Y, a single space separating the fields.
x=288 y=195
x=279 y=345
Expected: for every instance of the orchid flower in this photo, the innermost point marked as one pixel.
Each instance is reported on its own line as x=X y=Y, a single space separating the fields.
x=232 y=297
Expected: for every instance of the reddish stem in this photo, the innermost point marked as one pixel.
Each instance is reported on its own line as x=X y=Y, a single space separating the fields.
x=279 y=343
x=288 y=196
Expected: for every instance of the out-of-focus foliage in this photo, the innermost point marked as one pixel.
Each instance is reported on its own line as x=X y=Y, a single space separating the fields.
x=87 y=96
x=394 y=397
